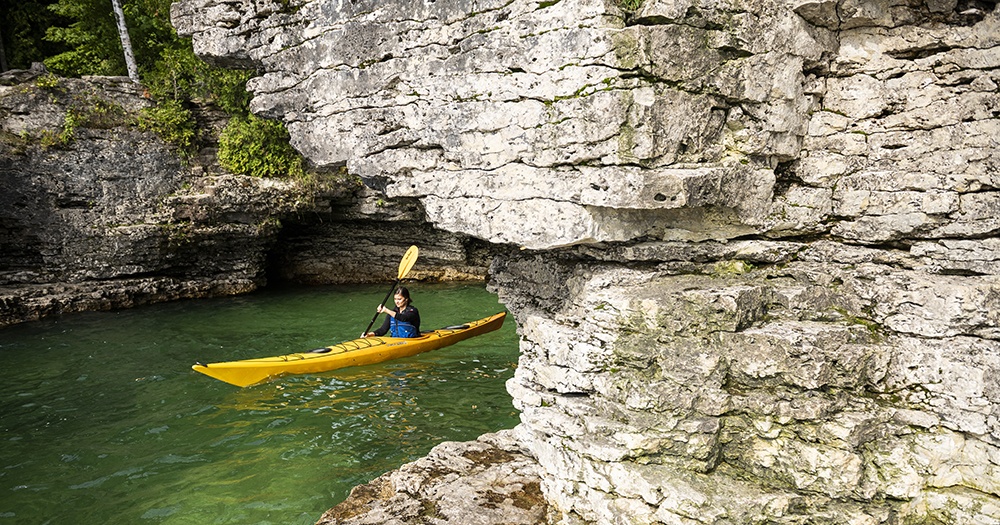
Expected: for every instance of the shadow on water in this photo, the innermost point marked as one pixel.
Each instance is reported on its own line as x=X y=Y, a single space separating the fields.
x=102 y=420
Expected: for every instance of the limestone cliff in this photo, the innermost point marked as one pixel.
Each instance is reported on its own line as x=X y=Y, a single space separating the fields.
x=759 y=281
x=97 y=214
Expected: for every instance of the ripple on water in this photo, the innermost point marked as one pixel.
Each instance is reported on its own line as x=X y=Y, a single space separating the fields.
x=103 y=421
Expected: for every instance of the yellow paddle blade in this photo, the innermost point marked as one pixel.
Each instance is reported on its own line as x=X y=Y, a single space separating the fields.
x=409 y=259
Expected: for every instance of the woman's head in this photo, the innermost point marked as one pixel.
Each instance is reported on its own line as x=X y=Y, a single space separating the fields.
x=402 y=296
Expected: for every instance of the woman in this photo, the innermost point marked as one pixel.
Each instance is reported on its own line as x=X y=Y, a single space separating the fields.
x=403 y=321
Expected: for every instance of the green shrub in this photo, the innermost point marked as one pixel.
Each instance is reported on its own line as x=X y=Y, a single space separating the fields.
x=173 y=123
x=72 y=120
x=180 y=75
x=47 y=81
x=102 y=114
x=259 y=147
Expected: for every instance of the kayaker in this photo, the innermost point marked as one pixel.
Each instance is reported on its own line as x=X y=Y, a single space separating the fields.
x=402 y=321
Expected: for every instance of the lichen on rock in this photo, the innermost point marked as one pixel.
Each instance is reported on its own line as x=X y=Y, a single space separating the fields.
x=488 y=481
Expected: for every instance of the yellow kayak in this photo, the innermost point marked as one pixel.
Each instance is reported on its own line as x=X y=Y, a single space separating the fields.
x=364 y=351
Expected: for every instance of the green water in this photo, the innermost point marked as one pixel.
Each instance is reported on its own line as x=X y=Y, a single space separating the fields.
x=102 y=419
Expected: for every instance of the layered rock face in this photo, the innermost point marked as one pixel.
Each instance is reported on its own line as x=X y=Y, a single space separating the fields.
x=759 y=281
x=97 y=214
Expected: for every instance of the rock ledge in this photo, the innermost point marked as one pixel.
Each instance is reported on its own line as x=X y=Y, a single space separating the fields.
x=482 y=482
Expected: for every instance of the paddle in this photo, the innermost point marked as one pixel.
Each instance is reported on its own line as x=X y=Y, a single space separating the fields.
x=409 y=258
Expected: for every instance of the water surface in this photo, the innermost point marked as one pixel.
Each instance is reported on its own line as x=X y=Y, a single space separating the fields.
x=102 y=419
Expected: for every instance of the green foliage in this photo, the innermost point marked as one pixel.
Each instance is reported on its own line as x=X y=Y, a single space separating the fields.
x=47 y=81
x=62 y=138
x=179 y=78
x=84 y=110
x=100 y=114
x=22 y=28
x=173 y=123
x=258 y=147
x=89 y=44
x=93 y=46
x=73 y=119
x=91 y=39
x=149 y=30
x=180 y=75
x=629 y=6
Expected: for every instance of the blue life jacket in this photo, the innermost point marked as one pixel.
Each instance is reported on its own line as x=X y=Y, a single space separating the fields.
x=401 y=329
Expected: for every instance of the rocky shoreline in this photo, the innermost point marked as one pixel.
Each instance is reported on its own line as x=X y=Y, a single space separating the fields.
x=489 y=481
x=751 y=249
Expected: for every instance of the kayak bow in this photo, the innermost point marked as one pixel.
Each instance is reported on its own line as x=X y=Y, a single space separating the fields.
x=357 y=352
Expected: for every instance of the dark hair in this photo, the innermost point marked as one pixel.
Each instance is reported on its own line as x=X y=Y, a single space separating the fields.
x=405 y=293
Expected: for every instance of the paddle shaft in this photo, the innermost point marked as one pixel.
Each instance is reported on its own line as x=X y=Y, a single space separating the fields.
x=374 y=317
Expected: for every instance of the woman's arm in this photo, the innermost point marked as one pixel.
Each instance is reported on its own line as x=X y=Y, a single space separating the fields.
x=384 y=329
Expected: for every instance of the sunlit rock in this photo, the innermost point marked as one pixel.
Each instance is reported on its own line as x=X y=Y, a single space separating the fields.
x=758 y=280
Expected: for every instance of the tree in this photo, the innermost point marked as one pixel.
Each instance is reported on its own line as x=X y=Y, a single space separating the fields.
x=22 y=32
x=94 y=47
x=99 y=32
x=133 y=70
